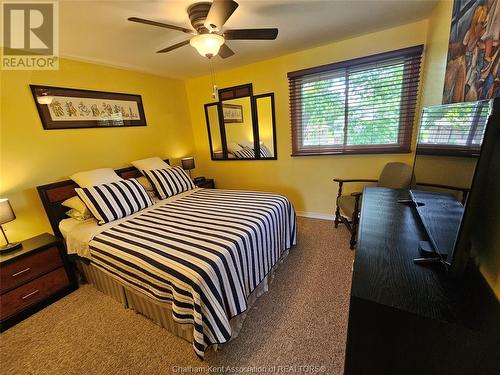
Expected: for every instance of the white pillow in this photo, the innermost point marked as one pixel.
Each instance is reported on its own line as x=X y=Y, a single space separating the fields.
x=95 y=177
x=150 y=163
x=74 y=214
x=145 y=183
x=77 y=204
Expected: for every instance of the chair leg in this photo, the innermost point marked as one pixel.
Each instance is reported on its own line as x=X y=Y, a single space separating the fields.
x=337 y=210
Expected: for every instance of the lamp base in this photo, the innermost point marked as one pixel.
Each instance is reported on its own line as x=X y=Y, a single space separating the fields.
x=11 y=246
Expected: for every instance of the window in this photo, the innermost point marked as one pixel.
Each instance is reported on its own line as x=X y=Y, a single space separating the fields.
x=453 y=129
x=365 y=105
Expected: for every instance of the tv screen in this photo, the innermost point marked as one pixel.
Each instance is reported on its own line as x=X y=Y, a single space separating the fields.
x=448 y=149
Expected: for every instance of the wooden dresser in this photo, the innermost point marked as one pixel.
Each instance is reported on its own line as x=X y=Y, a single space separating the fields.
x=410 y=319
x=32 y=278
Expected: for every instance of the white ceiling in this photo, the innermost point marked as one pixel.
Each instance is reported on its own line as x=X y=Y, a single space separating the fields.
x=98 y=31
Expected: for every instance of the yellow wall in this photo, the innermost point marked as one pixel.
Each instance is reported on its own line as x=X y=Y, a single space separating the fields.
x=306 y=180
x=436 y=50
x=32 y=156
x=265 y=121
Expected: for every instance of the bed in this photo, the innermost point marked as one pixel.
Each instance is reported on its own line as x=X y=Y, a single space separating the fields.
x=193 y=263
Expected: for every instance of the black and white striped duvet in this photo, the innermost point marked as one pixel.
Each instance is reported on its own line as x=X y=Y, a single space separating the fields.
x=203 y=253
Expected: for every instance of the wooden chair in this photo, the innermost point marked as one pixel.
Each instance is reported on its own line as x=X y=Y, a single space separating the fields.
x=394 y=175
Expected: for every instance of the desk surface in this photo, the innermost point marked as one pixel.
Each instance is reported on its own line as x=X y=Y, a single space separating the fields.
x=384 y=272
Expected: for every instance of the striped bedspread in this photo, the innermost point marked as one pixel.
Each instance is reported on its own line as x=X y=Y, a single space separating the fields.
x=203 y=253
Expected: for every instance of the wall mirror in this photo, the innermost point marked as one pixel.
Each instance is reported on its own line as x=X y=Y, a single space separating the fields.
x=241 y=126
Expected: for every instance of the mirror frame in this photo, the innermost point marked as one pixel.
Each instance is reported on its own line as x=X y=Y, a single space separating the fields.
x=236 y=92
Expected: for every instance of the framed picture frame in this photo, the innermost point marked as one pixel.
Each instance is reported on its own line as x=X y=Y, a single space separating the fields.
x=233 y=113
x=67 y=108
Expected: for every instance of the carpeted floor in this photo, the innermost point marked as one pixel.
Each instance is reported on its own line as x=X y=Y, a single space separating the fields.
x=301 y=321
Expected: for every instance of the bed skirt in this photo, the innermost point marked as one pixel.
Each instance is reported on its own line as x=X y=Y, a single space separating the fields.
x=158 y=312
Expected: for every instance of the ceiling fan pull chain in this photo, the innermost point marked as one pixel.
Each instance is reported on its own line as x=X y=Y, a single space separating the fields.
x=215 y=91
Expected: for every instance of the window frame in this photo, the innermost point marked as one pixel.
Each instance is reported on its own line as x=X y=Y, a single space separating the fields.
x=410 y=91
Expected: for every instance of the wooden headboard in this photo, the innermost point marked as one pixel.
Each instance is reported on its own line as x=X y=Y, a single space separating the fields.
x=52 y=195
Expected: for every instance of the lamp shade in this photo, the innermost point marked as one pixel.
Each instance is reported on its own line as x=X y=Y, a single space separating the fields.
x=187 y=163
x=6 y=212
x=207 y=44
x=44 y=99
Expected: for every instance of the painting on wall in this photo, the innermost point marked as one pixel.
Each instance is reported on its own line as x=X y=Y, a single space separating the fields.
x=233 y=113
x=472 y=70
x=64 y=108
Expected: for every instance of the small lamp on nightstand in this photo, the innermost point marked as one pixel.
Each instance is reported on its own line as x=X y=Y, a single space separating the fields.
x=6 y=215
x=188 y=164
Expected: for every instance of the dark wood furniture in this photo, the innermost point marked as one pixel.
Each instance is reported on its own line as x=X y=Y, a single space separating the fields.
x=352 y=222
x=207 y=183
x=33 y=277
x=52 y=195
x=410 y=319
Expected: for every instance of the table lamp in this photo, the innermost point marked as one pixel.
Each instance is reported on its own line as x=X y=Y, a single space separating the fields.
x=188 y=164
x=6 y=215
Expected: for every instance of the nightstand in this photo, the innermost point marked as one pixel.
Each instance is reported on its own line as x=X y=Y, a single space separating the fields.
x=33 y=277
x=208 y=183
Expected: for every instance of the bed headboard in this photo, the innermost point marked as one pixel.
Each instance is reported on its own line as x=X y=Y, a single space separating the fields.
x=52 y=195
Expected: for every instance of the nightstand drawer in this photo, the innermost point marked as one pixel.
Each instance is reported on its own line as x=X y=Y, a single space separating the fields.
x=28 y=268
x=32 y=292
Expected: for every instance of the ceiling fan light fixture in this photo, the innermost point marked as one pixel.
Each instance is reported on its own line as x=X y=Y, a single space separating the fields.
x=207 y=44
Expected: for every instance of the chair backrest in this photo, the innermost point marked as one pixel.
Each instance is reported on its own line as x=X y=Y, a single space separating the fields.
x=395 y=175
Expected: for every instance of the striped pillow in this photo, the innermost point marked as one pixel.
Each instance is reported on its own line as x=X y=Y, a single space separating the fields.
x=244 y=153
x=169 y=182
x=113 y=201
x=265 y=152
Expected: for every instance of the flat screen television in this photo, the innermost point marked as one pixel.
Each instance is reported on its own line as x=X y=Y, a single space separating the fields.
x=457 y=161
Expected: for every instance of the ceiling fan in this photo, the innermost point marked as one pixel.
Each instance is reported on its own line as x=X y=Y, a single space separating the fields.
x=208 y=20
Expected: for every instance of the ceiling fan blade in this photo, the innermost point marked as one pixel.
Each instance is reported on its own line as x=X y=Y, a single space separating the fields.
x=251 y=34
x=175 y=46
x=225 y=51
x=219 y=13
x=161 y=24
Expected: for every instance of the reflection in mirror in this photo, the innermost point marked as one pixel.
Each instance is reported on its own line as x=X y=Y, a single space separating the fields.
x=242 y=126
x=215 y=139
x=238 y=126
x=265 y=118
x=448 y=147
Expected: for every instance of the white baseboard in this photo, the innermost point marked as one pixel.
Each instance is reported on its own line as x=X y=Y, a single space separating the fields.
x=316 y=215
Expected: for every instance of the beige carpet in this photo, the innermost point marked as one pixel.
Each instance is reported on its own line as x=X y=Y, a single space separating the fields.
x=302 y=320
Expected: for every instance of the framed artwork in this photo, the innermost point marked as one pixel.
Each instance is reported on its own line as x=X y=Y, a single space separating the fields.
x=473 y=63
x=233 y=113
x=64 y=108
